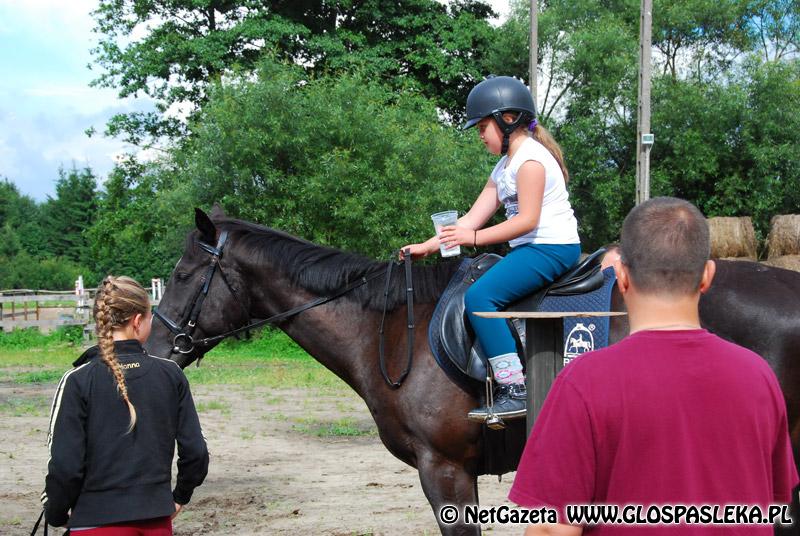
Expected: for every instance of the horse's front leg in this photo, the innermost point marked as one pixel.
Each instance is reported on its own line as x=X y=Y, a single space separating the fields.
x=448 y=484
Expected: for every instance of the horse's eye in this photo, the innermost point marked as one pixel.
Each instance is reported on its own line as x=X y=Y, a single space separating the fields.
x=182 y=276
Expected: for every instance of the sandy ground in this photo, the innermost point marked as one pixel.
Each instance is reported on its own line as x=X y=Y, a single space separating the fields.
x=270 y=472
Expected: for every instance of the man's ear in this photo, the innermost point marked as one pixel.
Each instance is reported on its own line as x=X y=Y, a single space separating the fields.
x=623 y=278
x=208 y=231
x=708 y=276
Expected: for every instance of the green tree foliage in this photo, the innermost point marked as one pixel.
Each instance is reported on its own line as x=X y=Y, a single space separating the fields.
x=776 y=28
x=139 y=229
x=342 y=161
x=20 y=220
x=24 y=270
x=724 y=119
x=188 y=44
x=345 y=135
x=44 y=246
x=70 y=213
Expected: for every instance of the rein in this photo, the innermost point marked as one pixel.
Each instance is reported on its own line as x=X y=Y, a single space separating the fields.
x=184 y=343
x=410 y=324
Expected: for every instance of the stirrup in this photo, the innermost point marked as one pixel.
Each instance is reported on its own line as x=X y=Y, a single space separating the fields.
x=493 y=421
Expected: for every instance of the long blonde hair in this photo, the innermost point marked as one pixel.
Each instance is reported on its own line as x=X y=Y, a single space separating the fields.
x=118 y=300
x=543 y=136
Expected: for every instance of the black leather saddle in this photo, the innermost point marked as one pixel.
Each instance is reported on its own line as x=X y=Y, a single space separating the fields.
x=451 y=334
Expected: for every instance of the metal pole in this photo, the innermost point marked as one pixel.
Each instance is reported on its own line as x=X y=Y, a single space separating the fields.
x=643 y=137
x=533 y=63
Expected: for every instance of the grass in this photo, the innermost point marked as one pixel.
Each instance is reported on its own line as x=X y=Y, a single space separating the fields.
x=40 y=376
x=213 y=405
x=344 y=427
x=25 y=406
x=270 y=359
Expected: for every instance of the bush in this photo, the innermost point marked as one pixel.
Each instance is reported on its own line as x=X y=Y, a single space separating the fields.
x=26 y=271
x=339 y=161
x=18 y=339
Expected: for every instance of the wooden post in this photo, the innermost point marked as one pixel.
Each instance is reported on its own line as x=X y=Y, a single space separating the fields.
x=644 y=139
x=544 y=350
x=533 y=61
x=544 y=356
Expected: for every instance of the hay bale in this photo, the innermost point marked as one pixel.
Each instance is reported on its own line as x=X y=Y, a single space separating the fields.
x=788 y=262
x=732 y=237
x=784 y=236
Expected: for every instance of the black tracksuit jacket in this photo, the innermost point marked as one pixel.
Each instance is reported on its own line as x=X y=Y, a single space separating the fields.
x=100 y=472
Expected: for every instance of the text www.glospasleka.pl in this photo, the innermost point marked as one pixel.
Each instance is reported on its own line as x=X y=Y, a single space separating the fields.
x=631 y=514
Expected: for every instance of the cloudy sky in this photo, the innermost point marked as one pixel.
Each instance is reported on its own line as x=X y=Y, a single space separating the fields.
x=46 y=103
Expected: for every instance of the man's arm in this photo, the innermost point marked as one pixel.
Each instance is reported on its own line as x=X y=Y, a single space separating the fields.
x=553 y=530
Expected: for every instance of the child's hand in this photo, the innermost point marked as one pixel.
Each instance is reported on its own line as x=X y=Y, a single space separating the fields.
x=452 y=236
x=418 y=251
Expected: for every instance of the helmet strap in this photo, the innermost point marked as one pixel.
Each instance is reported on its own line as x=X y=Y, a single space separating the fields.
x=508 y=128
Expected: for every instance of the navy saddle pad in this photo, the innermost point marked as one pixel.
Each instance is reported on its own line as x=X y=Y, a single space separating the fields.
x=583 y=288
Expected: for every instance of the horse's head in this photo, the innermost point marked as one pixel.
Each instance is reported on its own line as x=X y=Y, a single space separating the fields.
x=202 y=298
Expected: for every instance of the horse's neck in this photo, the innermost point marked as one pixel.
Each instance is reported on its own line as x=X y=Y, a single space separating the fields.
x=339 y=334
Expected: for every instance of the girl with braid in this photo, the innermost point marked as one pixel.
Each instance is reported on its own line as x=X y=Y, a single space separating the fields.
x=115 y=420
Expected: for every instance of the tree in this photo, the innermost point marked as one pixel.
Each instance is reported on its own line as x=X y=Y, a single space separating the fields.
x=71 y=213
x=21 y=215
x=776 y=25
x=189 y=44
x=140 y=225
x=724 y=130
x=701 y=37
x=344 y=161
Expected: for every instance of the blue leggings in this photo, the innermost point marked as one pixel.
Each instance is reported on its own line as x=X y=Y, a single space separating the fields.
x=526 y=269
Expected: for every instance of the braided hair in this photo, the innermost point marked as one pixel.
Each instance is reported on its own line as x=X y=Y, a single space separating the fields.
x=117 y=301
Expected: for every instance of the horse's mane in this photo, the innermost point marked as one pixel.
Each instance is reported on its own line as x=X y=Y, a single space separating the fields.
x=325 y=270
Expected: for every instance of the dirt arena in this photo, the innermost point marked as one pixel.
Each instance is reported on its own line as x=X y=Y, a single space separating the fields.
x=272 y=471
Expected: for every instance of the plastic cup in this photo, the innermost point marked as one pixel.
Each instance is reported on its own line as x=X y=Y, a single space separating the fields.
x=441 y=219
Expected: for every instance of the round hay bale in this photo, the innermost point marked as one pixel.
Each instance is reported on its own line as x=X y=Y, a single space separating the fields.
x=788 y=262
x=732 y=237
x=784 y=236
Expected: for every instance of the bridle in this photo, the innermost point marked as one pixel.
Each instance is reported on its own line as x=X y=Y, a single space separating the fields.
x=184 y=343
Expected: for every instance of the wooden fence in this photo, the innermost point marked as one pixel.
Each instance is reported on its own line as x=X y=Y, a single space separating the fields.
x=44 y=309
x=51 y=309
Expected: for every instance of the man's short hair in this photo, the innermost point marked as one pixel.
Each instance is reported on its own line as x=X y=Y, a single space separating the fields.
x=665 y=245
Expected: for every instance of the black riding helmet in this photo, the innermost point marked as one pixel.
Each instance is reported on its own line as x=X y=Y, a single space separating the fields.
x=498 y=94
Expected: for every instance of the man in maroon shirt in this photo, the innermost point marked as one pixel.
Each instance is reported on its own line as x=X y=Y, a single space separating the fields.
x=671 y=415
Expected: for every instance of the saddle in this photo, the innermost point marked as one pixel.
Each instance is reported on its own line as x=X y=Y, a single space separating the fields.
x=451 y=336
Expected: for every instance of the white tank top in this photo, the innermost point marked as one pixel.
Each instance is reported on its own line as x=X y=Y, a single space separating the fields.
x=557 y=223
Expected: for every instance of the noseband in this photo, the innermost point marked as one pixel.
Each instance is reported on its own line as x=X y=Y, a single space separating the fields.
x=183 y=342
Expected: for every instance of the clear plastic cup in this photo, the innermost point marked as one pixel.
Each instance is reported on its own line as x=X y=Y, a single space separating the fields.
x=441 y=219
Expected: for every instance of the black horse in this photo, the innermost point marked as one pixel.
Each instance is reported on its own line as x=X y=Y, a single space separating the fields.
x=263 y=272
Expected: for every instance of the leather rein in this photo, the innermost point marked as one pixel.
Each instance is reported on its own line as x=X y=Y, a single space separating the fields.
x=183 y=342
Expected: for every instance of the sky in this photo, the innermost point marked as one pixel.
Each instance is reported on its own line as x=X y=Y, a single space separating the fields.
x=46 y=104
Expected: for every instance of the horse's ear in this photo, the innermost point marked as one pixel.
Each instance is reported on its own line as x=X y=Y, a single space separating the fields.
x=208 y=230
x=217 y=213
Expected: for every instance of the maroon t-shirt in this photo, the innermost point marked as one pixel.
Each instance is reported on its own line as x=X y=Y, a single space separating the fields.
x=662 y=417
